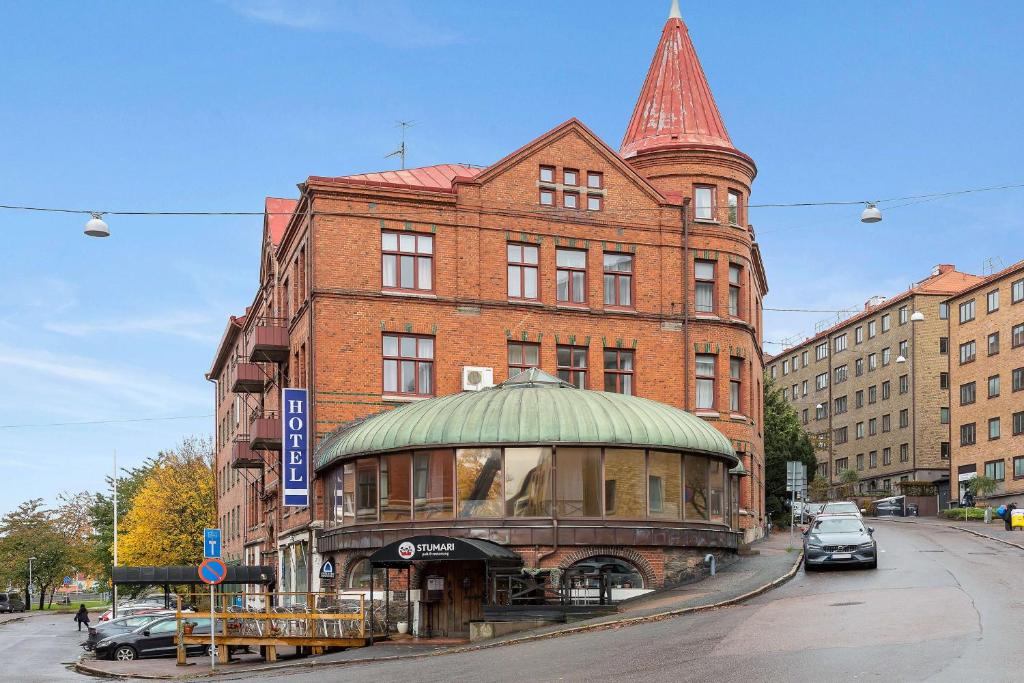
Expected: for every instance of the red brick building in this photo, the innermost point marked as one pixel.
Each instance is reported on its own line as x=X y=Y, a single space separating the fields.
x=632 y=271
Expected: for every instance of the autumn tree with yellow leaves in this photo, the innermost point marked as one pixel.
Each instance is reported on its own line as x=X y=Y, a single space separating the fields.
x=176 y=501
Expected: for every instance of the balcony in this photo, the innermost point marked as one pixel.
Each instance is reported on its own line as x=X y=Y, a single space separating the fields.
x=249 y=379
x=269 y=341
x=243 y=456
x=265 y=433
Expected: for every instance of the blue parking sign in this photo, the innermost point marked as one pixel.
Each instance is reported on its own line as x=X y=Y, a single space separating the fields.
x=211 y=542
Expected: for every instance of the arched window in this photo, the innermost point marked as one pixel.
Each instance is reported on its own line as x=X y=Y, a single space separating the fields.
x=359 y=576
x=586 y=573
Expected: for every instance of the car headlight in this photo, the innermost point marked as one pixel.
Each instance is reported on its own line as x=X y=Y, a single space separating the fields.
x=814 y=544
x=866 y=546
x=104 y=642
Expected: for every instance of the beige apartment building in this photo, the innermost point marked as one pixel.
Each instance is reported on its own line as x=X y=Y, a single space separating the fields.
x=986 y=341
x=873 y=389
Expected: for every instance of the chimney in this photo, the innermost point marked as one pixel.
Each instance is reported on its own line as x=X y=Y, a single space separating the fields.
x=943 y=268
x=873 y=302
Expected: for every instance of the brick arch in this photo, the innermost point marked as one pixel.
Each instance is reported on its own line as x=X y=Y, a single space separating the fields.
x=633 y=557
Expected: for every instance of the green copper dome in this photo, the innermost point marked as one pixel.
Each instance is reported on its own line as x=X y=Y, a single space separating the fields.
x=532 y=408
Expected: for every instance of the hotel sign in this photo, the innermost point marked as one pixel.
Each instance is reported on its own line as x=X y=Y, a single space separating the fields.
x=295 y=447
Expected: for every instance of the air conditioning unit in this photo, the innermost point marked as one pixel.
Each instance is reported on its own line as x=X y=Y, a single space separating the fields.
x=475 y=379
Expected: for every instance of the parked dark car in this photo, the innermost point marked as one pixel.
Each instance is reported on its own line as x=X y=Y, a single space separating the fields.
x=11 y=602
x=155 y=639
x=120 y=625
x=839 y=540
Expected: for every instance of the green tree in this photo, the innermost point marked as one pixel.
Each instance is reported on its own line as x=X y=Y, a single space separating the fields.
x=32 y=531
x=848 y=478
x=101 y=515
x=982 y=486
x=784 y=440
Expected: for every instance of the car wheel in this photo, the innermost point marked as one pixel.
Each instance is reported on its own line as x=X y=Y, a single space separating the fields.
x=808 y=568
x=125 y=653
x=873 y=565
x=207 y=649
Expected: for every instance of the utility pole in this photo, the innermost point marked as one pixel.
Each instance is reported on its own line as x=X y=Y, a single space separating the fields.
x=400 y=152
x=113 y=586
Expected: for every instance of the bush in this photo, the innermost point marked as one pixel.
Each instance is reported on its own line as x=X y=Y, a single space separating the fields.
x=917 y=488
x=972 y=513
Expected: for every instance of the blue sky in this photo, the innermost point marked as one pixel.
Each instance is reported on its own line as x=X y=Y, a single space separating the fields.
x=214 y=105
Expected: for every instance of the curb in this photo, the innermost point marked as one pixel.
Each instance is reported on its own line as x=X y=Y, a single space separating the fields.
x=965 y=529
x=660 y=616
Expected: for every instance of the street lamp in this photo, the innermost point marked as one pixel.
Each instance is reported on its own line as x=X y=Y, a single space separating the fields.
x=870 y=214
x=96 y=226
x=917 y=317
x=901 y=359
x=30 y=561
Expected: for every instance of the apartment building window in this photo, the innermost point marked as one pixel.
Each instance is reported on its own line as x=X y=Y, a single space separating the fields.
x=796 y=391
x=992 y=301
x=886 y=423
x=840 y=343
x=872 y=394
x=704 y=295
x=1017 y=292
x=873 y=426
x=618 y=280
x=994 y=469
x=943 y=311
x=805 y=357
x=821 y=351
x=1018 y=423
x=734 y=207
x=840 y=406
x=595 y=180
x=904 y=418
x=886 y=390
x=904 y=349
x=858 y=335
x=1018 y=379
x=860 y=461
x=905 y=452
x=840 y=435
x=523 y=265
x=841 y=374
x=858 y=366
x=886 y=323
x=408 y=365
x=618 y=371
x=842 y=464
x=547 y=174
x=968 y=434
x=571 y=276
x=943 y=345
x=522 y=356
x=967 y=394
x=993 y=428
x=705 y=372
x=572 y=365
x=904 y=317
x=821 y=381
x=858 y=430
x=547 y=196
x=904 y=383
x=871 y=329
x=993 y=386
x=820 y=411
x=967 y=311
x=735 y=272
x=785 y=368
x=943 y=380
x=1018 y=467
x=796 y=363
x=595 y=202
x=804 y=386
x=872 y=361
x=886 y=356
x=736 y=384
x=570 y=176
x=968 y=352
x=407 y=261
x=993 y=343
x=944 y=450
x=873 y=460
x=805 y=415
x=570 y=199
x=859 y=398
x=1017 y=336
x=704 y=202
x=886 y=458
x=944 y=416
x=774 y=371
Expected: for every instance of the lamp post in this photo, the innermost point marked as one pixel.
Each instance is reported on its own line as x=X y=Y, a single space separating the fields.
x=113 y=586
x=30 y=561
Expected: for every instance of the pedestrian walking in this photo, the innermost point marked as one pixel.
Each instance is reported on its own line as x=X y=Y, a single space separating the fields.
x=1008 y=516
x=82 y=617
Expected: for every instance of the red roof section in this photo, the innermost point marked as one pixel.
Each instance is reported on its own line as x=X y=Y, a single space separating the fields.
x=675 y=106
x=1010 y=271
x=439 y=177
x=279 y=212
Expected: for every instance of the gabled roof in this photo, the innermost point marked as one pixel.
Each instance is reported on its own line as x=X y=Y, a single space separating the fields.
x=227 y=341
x=438 y=177
x=278 y=214
x=1015 y=269
x=675 y=107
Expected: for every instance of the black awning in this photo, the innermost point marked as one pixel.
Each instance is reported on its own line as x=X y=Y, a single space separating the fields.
x=443 y=549
x=187 y=574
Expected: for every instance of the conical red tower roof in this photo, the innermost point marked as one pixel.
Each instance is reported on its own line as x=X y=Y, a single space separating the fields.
x=676 y=106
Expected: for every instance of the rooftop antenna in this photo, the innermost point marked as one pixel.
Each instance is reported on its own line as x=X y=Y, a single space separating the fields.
x=991 y=265
x=400 y=152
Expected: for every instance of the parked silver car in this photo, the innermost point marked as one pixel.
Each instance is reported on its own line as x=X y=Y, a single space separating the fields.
x=839 y=540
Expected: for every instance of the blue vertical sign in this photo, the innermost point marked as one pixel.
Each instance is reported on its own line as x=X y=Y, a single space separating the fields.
x=211 y=542
x=295 y=447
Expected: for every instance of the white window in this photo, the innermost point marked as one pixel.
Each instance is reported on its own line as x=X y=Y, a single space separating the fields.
x=821 y=381
x=703 y=198
x=967 y=311
x=840 y=343
x=886 y=322
x=785 y=368
x=871 y=329
x=705 y=372
x=858 y=335
x=992 y=301
x=821 y=351
x=704 y=274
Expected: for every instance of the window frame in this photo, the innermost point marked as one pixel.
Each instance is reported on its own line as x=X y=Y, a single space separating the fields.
x=574 y=195
x=973 y=348
x=600 y=180
x=967 y=311
x=617 y=275
x=523 y=267
x=570 y=270
x=547 y=167
x=416 y=256
x=522 y=365
x=565 y=178
x=735 y=218
x=618 y=372
x=711 y=218
x=573 y=370
x=713 y=377
x=992 y=301
x=417 y=360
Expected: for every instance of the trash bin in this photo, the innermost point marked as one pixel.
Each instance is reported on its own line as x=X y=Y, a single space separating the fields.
x=1017 y=519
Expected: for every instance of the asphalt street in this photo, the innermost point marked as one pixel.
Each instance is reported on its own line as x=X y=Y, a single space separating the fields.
x=942 y=606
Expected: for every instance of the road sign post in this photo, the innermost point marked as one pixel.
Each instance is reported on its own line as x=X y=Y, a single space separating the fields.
x=796 y=482
x=212 y=571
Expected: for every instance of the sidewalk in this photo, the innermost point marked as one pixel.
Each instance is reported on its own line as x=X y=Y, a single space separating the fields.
x=994 y=531
x=745 y=578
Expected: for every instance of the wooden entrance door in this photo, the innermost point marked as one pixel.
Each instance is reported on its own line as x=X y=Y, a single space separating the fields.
x=462 y=600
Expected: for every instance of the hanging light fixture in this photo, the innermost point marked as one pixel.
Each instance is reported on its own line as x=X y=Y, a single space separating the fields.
x=917 y=317
x=901 y=359
x=871 y=214
x=96 y=226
